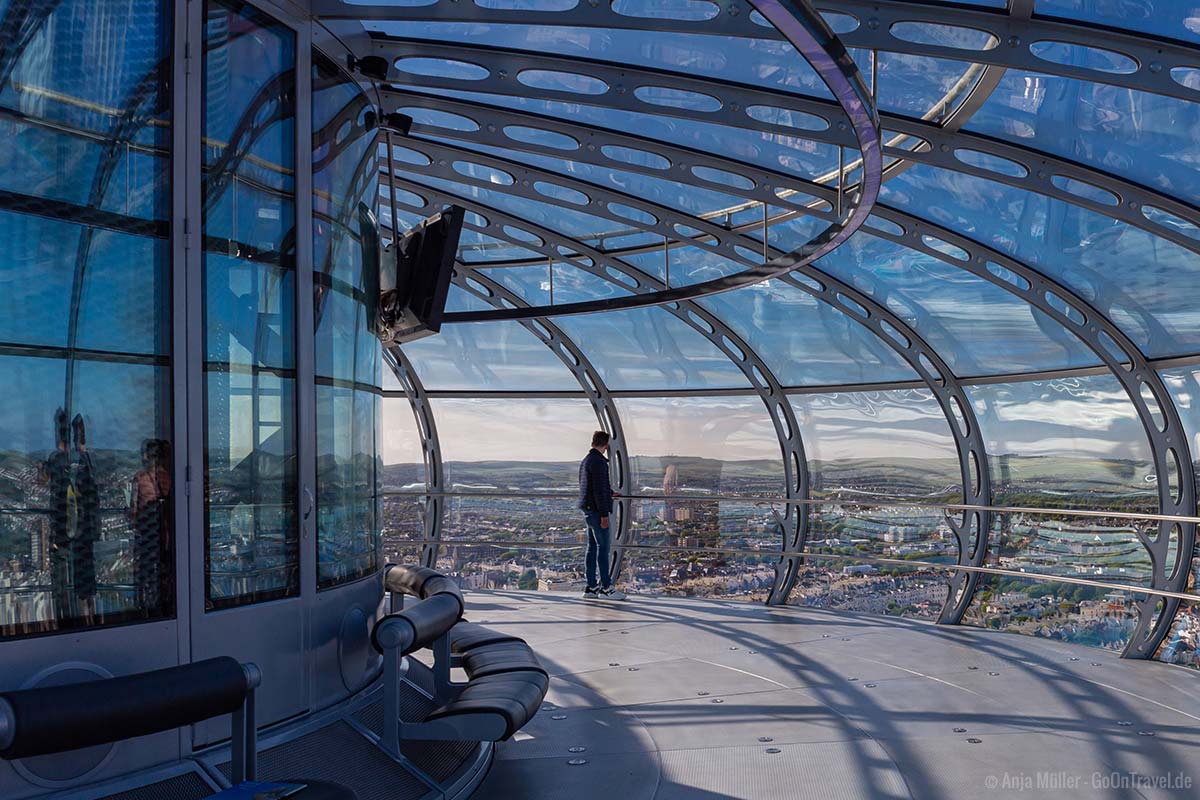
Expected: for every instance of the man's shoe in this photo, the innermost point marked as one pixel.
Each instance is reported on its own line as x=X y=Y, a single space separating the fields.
x=611 y=594
x=591 y=594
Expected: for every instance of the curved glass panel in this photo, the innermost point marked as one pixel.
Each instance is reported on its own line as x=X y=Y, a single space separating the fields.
x=1092 y=254
x=1174 y=19
x=1066 y=443
x=402 y=473
x=804 y=341
x=531 y=446
x=762 y=62
x=347 y=356
x=649 y=348
x=864 y=445
x=252 y=534
x=684 y=448
x=791 y=153
x=977 y=327
x=1145 y=138
x=87 y=505
x=557 y=283
x=486 y=355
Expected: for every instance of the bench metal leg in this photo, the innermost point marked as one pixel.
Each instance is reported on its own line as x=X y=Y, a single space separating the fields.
x=395 y=667
x=443 y=689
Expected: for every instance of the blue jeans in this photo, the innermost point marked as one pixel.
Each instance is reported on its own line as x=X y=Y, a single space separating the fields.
x=597 y=551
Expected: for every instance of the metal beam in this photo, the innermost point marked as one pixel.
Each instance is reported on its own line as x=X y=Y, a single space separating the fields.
x=761 y=377
x=888 y=327
x=924 y=142
x=431 y=450
x=594 y=388
x=1143 y=385
x=1076 y=315
x=1035 y=43
x=811 y=38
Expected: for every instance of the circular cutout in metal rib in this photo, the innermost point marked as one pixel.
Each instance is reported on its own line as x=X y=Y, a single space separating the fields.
x=803 y=27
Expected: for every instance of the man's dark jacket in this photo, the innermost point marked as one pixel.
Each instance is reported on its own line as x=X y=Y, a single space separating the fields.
x=595 y=490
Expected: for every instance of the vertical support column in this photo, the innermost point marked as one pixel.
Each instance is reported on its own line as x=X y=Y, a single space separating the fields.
x=186 y=331
x=306 y=386
x=435 y=479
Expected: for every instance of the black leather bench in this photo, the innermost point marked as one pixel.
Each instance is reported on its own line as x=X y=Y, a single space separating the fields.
x=56 y=719
x=505 y=682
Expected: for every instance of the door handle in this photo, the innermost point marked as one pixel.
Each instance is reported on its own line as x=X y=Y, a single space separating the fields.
x=309 y=503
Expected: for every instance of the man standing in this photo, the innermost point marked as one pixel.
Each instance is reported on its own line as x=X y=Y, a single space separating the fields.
x=596 y=502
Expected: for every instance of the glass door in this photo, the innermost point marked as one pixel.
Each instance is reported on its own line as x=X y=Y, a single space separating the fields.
x=247 y=569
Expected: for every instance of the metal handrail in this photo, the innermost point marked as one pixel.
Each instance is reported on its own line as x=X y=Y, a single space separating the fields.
x=818 y=556
x=761 y=500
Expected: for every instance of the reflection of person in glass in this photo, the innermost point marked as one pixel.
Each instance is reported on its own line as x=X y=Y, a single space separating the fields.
x=150 y=513
x=62 y=515
x=87 y=525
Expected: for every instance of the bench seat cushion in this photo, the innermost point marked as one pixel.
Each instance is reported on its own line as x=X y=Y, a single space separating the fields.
x=494 y=659
x=468 y=635
x=514 y=696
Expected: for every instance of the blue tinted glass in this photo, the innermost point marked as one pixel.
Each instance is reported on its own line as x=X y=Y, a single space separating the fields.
x=1088 y=252
x=918 y=86
x=648 y=348
x=894 y=443
x=1184 y=385
x=252 y=536
x=556 y=218
x=977 y=327
x=761 y=62
x=86 y=464
x=683 y=265
x=1174 y=19
x=680 y=445
x=487 y=355
x=570 y=284
x=673 y=195
x=805 y=341
x=1146 y=138
x=1065 y=443
x=790 y=153
x=345 y=269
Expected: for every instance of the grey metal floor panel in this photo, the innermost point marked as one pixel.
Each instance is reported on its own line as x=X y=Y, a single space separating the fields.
x=857 y=706
x=340 y=754
x=188 y=786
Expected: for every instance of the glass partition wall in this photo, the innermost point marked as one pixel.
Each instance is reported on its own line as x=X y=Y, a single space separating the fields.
x=87 y=533
x=189 y=452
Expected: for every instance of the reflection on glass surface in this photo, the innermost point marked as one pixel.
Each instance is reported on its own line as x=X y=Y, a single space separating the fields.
x=86 y=466
x=649 y=348
x=1074 y=613
x=1148 y=139
x=345 y=267
x=1088 y=252
x=700 y=573
x=252 y=547
x=867 y=445
x=531 y=445
x=977 y=327
x=1175 y=19
x=701 y=445
x=1182 y=645
x=805 y=341
x=864 y=587
x=486 y=356
x=1066 y=443
x=475 y=567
